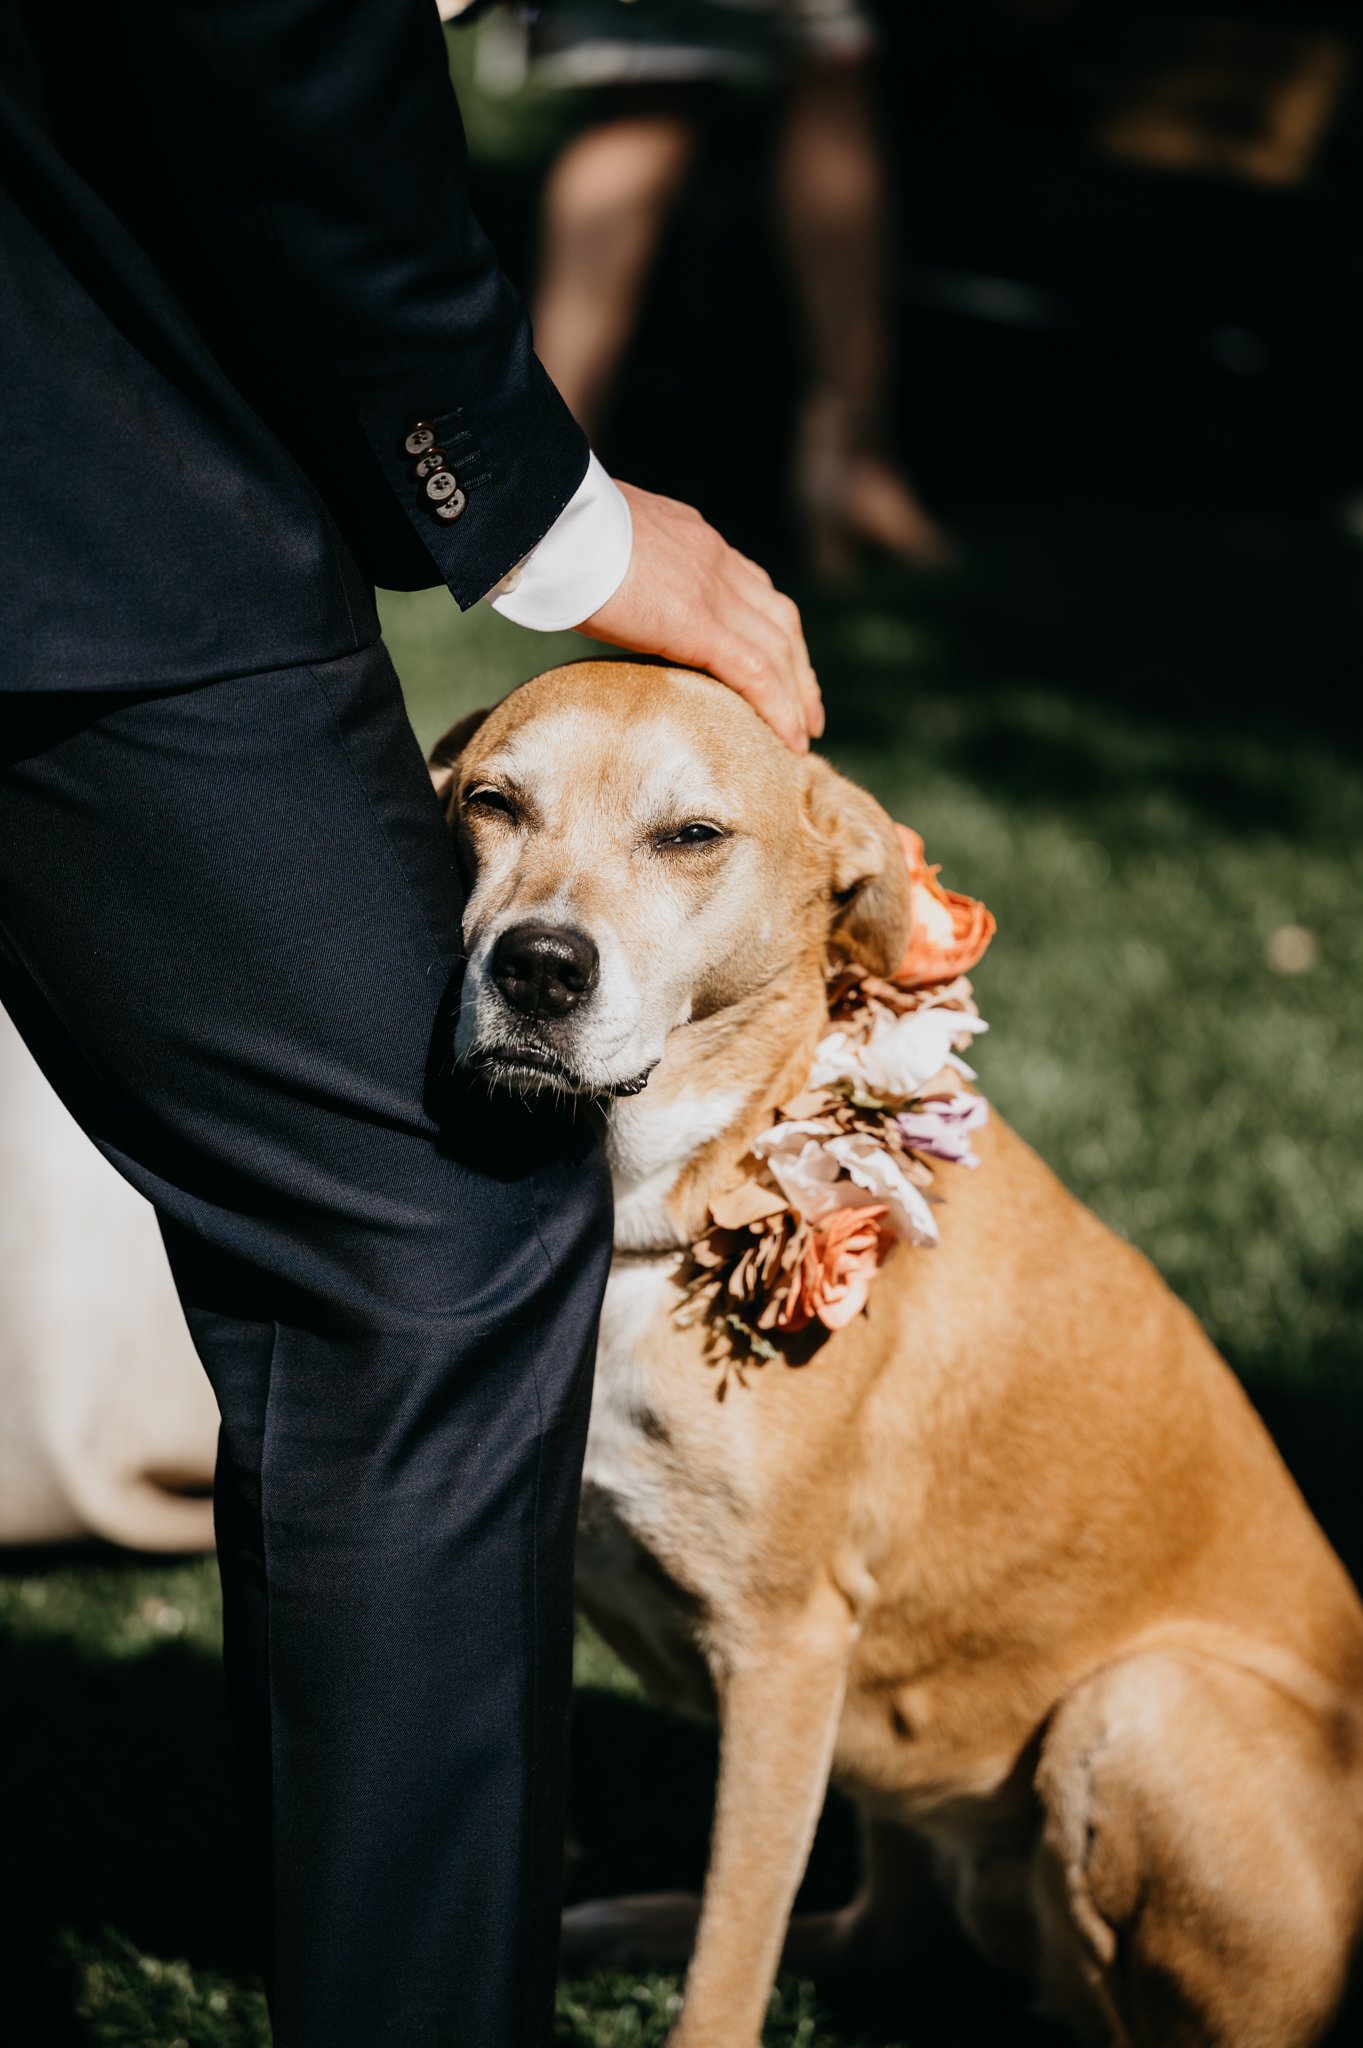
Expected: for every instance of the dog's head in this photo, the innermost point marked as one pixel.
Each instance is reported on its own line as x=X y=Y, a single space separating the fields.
x=640 y=852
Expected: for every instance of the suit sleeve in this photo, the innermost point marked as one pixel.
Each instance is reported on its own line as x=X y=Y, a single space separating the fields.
x=339 y=129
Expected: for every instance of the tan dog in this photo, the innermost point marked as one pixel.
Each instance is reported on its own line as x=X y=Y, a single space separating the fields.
x=1010 y=1555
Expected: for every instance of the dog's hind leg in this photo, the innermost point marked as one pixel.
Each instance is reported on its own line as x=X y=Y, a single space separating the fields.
x=899 y=1910
x=1198 y=1878
x=644 y=1930
x=898 y=1915
x=780 y=1701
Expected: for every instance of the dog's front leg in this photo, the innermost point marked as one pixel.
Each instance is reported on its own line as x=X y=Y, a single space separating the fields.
x=780 y=1691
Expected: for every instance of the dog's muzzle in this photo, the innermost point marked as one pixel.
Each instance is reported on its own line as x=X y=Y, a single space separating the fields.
x=542 y=974
x=544 y=970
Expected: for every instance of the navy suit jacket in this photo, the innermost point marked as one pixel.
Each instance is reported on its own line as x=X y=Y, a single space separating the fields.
x=237 y=266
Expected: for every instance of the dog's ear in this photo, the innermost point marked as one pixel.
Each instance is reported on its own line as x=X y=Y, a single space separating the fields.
x=444 y=757
x=867 y=877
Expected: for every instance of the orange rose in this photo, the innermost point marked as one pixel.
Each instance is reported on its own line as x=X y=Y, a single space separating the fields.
x=838 y=1265
x=948 y=933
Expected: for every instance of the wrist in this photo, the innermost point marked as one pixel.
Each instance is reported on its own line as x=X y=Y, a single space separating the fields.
x=578 y=566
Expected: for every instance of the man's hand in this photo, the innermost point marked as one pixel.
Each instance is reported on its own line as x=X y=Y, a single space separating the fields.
x=689 y=596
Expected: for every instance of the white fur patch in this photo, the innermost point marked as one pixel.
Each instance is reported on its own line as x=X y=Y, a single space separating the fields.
x=648 y=1143
x=618 y=1460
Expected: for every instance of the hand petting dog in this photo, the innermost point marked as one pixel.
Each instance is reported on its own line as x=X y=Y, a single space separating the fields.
x=689 y=596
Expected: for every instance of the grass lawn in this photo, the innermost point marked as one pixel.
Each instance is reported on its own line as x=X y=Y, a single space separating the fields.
x=1132 y=731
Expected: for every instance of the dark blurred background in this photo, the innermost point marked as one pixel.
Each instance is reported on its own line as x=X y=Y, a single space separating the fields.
x=1126 y=263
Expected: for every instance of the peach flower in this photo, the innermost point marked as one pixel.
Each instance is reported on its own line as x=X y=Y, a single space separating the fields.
x=835 y=1272
x=948 y=932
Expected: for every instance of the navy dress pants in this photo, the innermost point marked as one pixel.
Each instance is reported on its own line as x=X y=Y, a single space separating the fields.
x=229 y=929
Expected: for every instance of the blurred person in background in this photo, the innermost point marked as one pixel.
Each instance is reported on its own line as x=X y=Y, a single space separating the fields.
x=653 y=72
x=257 y=356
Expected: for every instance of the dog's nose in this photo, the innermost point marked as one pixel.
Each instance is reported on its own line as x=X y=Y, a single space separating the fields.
x=544 y=970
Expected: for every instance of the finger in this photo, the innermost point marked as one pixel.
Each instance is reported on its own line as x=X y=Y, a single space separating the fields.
x=757 y=588
x=785 y=615
x=783 y=652
x=807 y=682
x=815 y=721
x=781 y=610
x=780 y=624
x=796 y=667
x=746 y=658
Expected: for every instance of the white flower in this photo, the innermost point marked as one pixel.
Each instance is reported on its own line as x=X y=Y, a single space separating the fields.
x=901 y=1055
x=818 y=1172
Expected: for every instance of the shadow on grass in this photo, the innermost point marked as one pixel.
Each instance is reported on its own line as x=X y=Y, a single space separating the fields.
x=1318 y=1429
x=1198 y=621
x=119 y=1814
x=1313 y=1405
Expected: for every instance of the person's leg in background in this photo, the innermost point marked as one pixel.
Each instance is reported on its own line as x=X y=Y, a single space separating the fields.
x=606 y=204
x=832 y=202
x=227 y=920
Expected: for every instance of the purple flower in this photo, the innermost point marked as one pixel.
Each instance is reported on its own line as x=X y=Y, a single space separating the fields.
x=942 y=1129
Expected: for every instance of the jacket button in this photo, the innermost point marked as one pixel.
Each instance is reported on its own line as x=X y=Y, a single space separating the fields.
x=433 y=459
x=420 y=439
x=450 y=510
x=440 y=485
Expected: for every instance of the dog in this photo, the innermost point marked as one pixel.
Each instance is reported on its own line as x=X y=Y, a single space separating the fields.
x=1009 y=1556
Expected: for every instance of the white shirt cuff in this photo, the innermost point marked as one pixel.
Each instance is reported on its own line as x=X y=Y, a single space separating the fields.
x=579 y=564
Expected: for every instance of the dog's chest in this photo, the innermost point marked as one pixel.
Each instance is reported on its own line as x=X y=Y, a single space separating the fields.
x=622 y=1463
x=648 y=1145
x=636 y=1556
x=646 y=1478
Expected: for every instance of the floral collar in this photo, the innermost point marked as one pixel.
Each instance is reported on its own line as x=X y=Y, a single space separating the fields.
x=848 y=1169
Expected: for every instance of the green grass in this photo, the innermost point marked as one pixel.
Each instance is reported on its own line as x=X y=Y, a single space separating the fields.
x=1137 y=742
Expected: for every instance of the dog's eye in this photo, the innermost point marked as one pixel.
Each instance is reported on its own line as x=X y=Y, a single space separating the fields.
x=693 y=835
x=487 y=798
